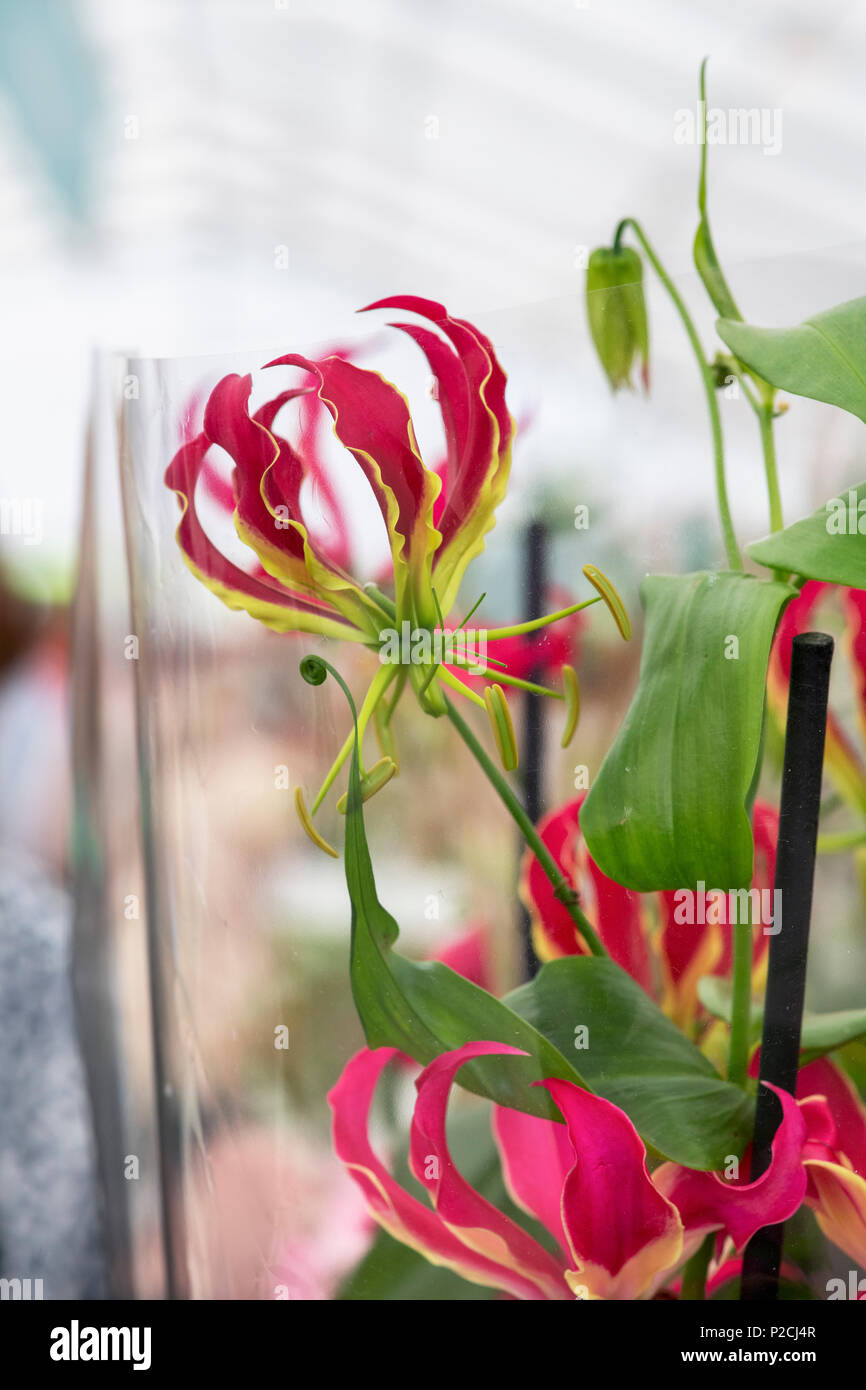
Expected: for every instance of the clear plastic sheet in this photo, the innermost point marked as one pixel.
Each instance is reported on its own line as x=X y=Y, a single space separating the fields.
x=244 y=923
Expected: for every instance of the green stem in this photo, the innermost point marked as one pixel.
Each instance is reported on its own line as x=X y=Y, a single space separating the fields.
x=562 y=888
x=731 y=548
x=768 y=445
x=378 y=686
x=738 y=1060
x=695 y=1273
x=402 y=677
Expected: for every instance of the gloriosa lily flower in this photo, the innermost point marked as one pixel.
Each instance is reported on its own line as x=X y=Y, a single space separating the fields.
x=640 y=931
x=619 y=1231
x=834 y=1155
x=524 y=655
x=436 y=521
x=844 y=764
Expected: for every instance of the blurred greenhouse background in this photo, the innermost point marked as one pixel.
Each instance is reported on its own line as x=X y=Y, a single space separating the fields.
x=162 y=154
x=198 y=185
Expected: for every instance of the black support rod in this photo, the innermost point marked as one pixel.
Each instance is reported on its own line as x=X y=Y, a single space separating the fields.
x=532 y=743
x=811 y=654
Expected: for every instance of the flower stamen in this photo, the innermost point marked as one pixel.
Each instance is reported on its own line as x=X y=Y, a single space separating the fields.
x=503 y=729
x=310 y=830
x=571 y=695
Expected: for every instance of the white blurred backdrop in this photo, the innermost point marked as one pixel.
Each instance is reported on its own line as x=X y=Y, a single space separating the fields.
x=220 y=176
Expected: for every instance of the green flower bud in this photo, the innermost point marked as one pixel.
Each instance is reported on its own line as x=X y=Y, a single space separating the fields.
x=617 y=313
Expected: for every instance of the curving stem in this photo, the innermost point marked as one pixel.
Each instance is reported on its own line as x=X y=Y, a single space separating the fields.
x=562 y=888
x=732 y=550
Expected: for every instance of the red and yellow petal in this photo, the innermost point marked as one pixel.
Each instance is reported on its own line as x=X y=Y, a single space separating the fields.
x=479 y=432
x=267 y=482
x=536 y=1156
x=841 y=759
x=854 y=603
x=835 y=1155
x=372 y=420
x=838 y=1198
x=253 y=449
x=336 y=539
x=405 y=1217
x=617 y=913
x=463 y=1210
x=554 y=932
x=707 y=1202
x=624 y=1235
x=262 y=597
x=824 y=1078
x=686 y=952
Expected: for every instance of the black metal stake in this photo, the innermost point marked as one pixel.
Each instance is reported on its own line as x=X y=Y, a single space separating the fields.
x=811 y=654
x=532 y=743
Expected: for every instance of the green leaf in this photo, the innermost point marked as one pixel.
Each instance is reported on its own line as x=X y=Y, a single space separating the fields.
x=706 y=260
x=823 y=1033
x=668 y=807
x=823 y=358
x=827 y=545
x=820 y=1033
x=423 y=1007
x=638 y=1059
x=710 y=271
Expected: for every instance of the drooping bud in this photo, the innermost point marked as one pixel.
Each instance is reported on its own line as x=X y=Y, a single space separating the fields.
x=617 y=313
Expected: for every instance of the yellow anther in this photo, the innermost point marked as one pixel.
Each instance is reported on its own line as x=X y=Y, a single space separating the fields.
x=503 y=729
x=309 y=828
x=603 y=586
x=571 y=691
x=373 y=781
